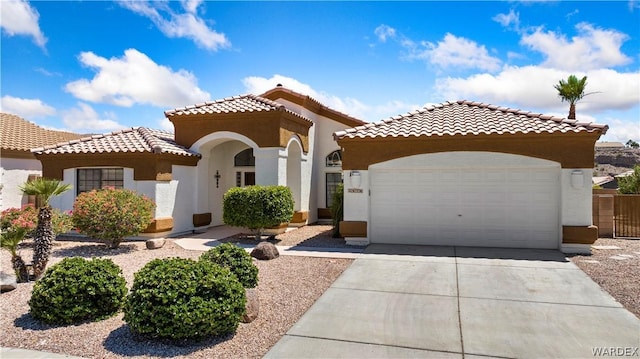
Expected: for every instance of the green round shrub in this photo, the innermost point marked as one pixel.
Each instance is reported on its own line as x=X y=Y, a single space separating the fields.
x=182 y=299
x=76 y=290
x=237 y=260
x=257 y=207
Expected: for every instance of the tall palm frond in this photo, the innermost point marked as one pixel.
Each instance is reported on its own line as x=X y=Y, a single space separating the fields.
x=45 y=189
x=572 y=91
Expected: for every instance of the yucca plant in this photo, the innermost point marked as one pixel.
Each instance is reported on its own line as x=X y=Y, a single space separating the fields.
x=44 y=189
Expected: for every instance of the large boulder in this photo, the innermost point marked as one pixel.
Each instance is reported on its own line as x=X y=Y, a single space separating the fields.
x=265 y=251
x=252 y=306
x=155 y=243
x=8 y=282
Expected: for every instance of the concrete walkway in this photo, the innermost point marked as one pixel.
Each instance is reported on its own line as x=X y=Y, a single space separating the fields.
x=14 y=353
x=446 y=302
x=210 y=239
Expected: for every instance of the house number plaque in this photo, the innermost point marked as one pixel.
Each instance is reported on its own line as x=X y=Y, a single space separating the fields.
x=354 y=190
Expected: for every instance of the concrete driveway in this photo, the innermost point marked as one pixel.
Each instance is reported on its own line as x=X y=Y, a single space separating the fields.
x=452 y=302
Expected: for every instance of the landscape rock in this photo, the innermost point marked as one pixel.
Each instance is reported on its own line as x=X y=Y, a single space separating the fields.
x=8 y=282
x=265 y=251
x=252 y=307
x=155 y=243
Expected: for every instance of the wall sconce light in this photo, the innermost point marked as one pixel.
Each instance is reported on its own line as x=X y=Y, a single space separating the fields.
x=577 y=179
x=217 y=177
x=355 y=179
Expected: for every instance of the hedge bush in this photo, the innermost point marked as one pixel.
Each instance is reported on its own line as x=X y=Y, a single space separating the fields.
x=181 y=299
x=237 y=260
x=257 y=207
x=76 y=290
x=112 y=214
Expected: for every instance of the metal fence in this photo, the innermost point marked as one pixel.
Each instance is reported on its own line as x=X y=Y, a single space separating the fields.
x=626 y=215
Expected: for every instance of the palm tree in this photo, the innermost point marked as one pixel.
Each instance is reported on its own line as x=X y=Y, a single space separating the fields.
x=45 y=189
x=572 y=91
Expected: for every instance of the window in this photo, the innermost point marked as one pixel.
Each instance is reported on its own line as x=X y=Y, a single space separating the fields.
x=244 y=158
x=334 y=159
x=249 y=179
x=97 y=178
x=333 y=180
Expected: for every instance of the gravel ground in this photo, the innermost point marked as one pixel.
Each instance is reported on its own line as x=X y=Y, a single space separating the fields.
x=287 y=287
x=307 y=236
x=616 y=270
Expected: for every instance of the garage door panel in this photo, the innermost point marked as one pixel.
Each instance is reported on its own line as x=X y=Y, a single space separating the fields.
x=502 y=207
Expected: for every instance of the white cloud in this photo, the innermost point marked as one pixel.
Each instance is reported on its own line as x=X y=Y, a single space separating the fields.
x=26 y=107
x=84 y=119
x=451 y=51
x=166 y=125
x=621 y=131
x=383 y=32
x=136 y=79
x=592 y=48
x=510 y=20
x=351 y=106
x=532 y=86
x=19 y=18
x=181 y=25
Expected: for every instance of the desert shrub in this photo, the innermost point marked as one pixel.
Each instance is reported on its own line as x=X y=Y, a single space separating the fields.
x=181 y=299
x=27 y=217
x=237 y=260
x=257 y=207
x=76 y=290
x=112 y=214
x=630 y=184
x=337 y=209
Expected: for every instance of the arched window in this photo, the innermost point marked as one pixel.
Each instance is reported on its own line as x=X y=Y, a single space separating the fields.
x=334 y=159
x=244 y=158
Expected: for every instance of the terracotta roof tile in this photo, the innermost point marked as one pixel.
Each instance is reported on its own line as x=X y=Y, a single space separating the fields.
x=19 y=134
x=236 y=104
x=467 y=118
x=138 y=139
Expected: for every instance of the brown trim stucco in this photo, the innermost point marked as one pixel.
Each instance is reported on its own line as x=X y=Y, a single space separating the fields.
x=324 y=213
x=160 y=225
x=579 y=234
x=300 y=217
x=266 y=129
x=146 y=166
x=312 y=105
x=201 y=219
x=571 y=150
x=23 y=155
x=353 y=229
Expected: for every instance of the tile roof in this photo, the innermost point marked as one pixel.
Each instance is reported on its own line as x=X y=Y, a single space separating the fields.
x=467 y=118
x=19 y=134
x=277 y=92
x=236 y=104
x=137 y=139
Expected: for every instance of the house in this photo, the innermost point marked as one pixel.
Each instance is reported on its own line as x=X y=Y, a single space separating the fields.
x=17 y=164
x=281 y=137
x=458 y=173
x=470 y=174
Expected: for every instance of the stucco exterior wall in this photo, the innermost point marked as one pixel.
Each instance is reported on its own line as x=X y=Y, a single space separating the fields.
x=14 y=172
x=180 y=198
x=577 y=194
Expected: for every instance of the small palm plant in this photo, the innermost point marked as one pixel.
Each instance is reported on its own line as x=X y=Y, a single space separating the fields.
x=44 y=189
x=9 y=240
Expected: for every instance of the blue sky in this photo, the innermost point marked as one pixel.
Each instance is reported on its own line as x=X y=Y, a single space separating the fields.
x=93 y=67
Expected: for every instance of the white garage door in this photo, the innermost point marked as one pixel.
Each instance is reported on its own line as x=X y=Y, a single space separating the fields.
x=489 y=207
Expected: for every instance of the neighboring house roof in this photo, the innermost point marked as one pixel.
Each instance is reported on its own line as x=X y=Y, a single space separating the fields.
x=312 y=104
x=601 y=180
x=609 y=145
x=137 y=139
x=21 y=135
x=467 y=118
x=236 y=104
